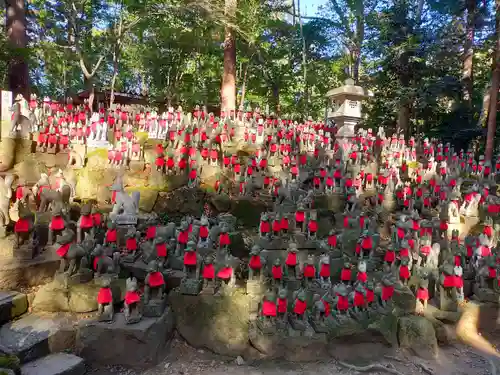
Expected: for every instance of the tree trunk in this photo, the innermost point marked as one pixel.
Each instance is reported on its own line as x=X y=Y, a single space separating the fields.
x=404 y=118
x=304 y=61
x=359 y=39
x=467 y=70
x=495 y=81
x=275 y=100
x=16 y=35
x=244 y=87
x=228 y=91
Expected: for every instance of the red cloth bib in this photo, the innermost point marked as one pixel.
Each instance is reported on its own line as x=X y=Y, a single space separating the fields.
x=342 y=303
x=104 y=296
x=277 y=272
x=111 y=235
x=345 y=274
x=325 y=270
x=269 y=308
x=225 y=273
x=299 y=307
x=63 y=250
x=161 y=249
x=359 y=299
x=156 y=279
x=299 y=216
x=57 y=223
x=151 y=232
x=190 y=258
x=404 y=272
x=86 y=222
x=449 y=281
x=390 y=256
x=183 y=237
x=362 y=276
x=313 y=226
x=264 y=227
x=203 y=232
x=255 y=262
x=367 y=243
x=423 y=294
x=131 y=244
x=387 y=292
x=332 y=240
x=282 y=305
x=291 y=259
x=224 y=239
x=97 y=219
x=22 y=226
x=132 y=297
x=309 y=271
x=208 y=271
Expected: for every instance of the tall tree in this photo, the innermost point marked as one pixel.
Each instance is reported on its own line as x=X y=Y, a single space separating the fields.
x=495 y=85
x=228 y=90
x=16 y=34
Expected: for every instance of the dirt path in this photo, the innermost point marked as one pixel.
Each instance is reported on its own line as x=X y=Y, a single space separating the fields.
x=185 y=360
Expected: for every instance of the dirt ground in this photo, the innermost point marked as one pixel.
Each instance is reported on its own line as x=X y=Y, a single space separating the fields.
x=185 y=360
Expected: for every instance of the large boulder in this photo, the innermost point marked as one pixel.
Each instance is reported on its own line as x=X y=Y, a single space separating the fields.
x=290 y=345
x=217 y=323
x=133 y=345
x=77 y=298
x=418 y=335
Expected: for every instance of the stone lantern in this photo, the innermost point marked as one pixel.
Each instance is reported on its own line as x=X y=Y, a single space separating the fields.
x=344 y=108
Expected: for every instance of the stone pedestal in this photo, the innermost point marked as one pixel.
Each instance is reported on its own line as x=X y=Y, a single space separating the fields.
x=131 y=345
x=191 y=286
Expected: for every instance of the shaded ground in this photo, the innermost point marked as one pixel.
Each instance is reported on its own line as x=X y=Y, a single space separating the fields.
x=185 y=360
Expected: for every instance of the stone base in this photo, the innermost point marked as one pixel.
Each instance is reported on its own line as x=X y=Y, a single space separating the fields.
x=297 y=324
x=131 y=345
x=191 y=286
x=12 y=304
x=267 y=328
x=33 y=337
x=318 y=326
x=55 y=364
x=155 y=308
x=289 y=344
x=485 y=295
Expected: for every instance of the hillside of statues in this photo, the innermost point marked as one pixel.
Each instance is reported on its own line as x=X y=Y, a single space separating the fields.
x=249 y=234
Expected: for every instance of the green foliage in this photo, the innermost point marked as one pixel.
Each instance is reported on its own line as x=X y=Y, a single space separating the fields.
x=409 y=53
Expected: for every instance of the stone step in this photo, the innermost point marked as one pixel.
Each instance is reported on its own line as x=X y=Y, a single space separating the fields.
x=17 y=273
x=55 y=364
x=35 y=336
x=12 y=304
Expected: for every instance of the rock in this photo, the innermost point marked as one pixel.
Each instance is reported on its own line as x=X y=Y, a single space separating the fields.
x=237 y=247
x=83 y=297
x=77 y=298
x=52 y=297
x=34 y=336
x=180 y=202
x=148 y=200
x=221 y=202
x=404 y=300
x=240 y=361
x=7 y=153
x=387 y=326
x=290 y=344
x=417 y=334
x=248 y=211
x=55 y=364
x=217 y=323
x=132 y=345
x=12 y=304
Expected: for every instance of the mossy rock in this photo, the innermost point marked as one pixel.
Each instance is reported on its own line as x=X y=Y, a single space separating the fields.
x=248 y=211
x=417 y=334
x=217 y=323
x=10 y=362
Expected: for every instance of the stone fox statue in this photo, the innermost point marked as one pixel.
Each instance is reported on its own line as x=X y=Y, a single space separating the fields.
x=5 y=197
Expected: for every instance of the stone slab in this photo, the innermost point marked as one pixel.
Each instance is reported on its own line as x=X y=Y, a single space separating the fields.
x=16 y=273
x=55 y=364
x=118 y=343
x=35 y=336
x=12 y=304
